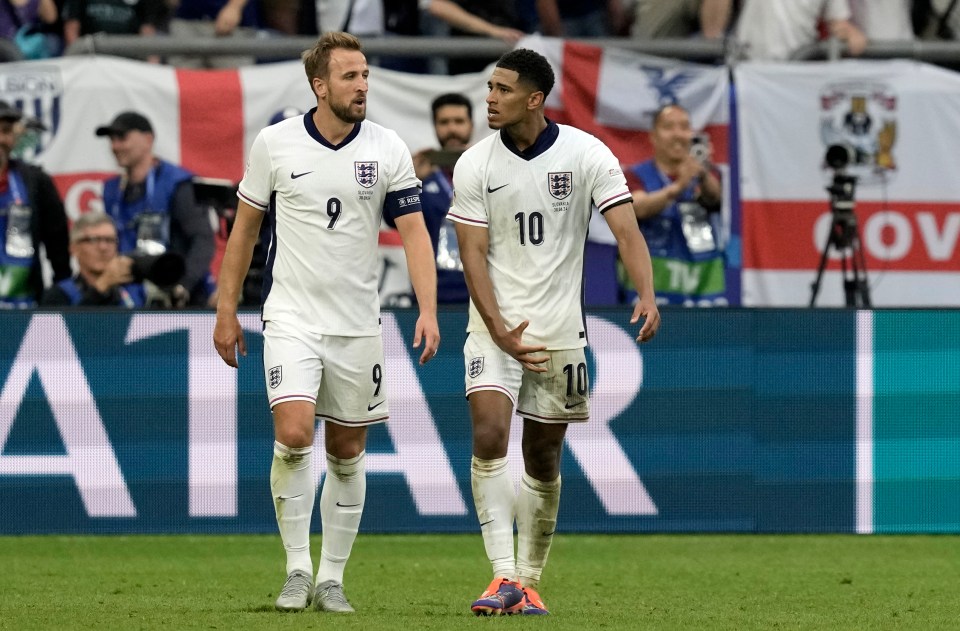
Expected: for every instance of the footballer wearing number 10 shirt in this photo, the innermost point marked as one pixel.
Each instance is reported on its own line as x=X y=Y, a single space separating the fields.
x=522 y=202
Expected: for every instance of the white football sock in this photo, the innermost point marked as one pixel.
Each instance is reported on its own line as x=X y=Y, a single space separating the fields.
x=495 y=500
x=341 y=506
x=537 y=508
x=293 y=489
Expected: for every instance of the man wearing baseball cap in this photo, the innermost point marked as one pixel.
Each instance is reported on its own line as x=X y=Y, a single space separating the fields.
x=31 y=215
x=154 y=206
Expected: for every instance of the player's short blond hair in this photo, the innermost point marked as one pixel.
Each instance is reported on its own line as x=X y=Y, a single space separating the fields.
x=316 y=61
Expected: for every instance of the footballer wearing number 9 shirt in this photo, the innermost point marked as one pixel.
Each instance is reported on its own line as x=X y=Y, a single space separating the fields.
x=522 y=201
x=324 y=180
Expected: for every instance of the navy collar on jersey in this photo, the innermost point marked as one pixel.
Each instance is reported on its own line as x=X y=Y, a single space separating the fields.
x=316 y=135
x=543 y=142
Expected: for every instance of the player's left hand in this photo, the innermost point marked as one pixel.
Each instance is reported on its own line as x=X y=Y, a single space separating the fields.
x=646 y=308
x=428 y=332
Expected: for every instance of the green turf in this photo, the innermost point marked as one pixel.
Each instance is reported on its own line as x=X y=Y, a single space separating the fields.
x=427 y=582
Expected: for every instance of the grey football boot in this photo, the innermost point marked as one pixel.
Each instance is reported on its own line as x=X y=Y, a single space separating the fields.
x=296 y=592
x=329 y=597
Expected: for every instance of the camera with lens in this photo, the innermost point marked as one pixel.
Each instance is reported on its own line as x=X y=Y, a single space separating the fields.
x=163 y=270
x=842 y=191
x=839 y=157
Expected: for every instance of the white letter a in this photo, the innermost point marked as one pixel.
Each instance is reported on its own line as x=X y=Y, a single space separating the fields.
x=48 y=350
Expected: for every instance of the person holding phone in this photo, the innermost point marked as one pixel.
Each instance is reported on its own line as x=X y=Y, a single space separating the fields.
x=677 y=197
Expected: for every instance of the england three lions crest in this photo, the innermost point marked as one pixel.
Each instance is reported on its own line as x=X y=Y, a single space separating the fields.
x=560 y=184
x=475 y=367
x=275 y=376
x=366 y=173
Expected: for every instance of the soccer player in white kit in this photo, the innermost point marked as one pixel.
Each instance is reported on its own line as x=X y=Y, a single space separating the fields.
x=324 y=179
x=522 y=201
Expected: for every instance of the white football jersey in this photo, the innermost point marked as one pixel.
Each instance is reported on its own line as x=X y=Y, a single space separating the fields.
x=536 y=206
x=322 y=264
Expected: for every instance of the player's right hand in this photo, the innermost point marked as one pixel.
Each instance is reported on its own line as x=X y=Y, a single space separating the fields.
x=512 y=344
x=228 y=337
x=646 y=308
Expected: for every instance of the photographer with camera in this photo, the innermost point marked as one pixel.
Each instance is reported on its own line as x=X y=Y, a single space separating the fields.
x=105 y=278
x=31 y=216
x=677 y=196
x=155 y=210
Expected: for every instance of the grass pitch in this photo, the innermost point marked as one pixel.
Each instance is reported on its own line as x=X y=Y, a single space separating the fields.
x=428 y=582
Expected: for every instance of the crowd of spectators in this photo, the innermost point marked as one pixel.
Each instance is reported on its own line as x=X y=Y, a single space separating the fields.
x=762 y=29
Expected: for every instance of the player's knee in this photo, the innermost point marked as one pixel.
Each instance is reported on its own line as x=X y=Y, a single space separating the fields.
x=344 y=449
x=344 y=442
x=294 y=436
x=541 y=459
x=490 y=441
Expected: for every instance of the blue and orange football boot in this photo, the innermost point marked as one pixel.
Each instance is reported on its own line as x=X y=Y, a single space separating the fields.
x=502 y=597
x=532 y=603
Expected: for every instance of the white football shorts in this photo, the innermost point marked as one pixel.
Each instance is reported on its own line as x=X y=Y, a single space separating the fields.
x=343 y=376
x=560 y=395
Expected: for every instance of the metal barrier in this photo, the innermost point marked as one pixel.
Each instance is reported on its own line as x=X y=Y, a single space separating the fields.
x=941 y=52
x=282 y=47
x=278 y=48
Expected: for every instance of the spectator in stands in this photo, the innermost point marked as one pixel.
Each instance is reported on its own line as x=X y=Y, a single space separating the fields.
x=883 y=20
x=936 y=19
x=774 y=29
x=105 y=278
x=154 y=206
x=363 y=18
x=283 y=16
x=580 y=18
x=31 y=215
x=674 y=195
x=114 y=17
x=200 y=19
x=476 y=18
x=680 y=18
x=22 y=22
x=453 y=124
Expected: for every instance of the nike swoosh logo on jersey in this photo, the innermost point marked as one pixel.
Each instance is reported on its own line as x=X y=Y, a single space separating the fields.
x=494 y=190
x=347 y=505
x=294 y=176
x=573 y=405
x=370 y=408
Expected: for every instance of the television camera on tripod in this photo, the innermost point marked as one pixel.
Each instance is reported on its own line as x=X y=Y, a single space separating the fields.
x=844 y=234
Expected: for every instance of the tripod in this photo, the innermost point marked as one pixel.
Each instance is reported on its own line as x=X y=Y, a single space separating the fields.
x=844 y=238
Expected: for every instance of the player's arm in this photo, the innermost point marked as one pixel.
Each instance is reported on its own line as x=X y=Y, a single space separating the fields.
x=227 y=332
x=474 y=241
x=636 y=260
x=423 y=275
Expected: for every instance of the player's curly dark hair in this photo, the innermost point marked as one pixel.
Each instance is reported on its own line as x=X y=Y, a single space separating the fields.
x=532 y=68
